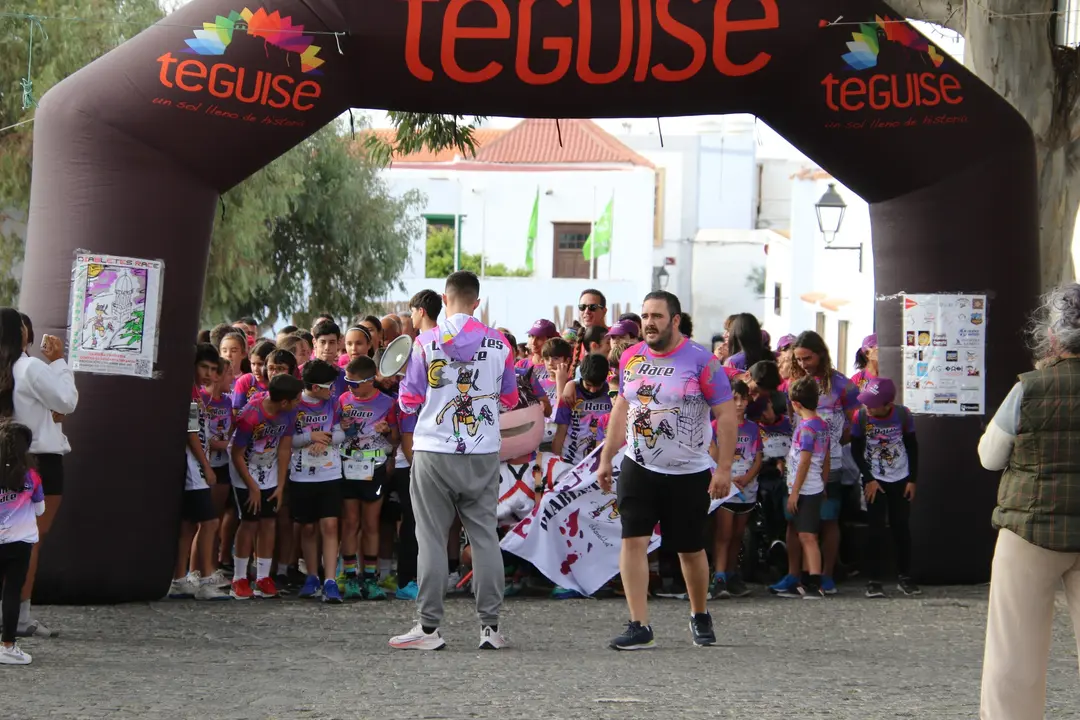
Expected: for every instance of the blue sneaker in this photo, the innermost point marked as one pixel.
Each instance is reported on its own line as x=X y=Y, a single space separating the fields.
x=409 y=592
x=828 y=585
x=330 y=593
x=561 y=593
x=788 y=583
x=310 y=588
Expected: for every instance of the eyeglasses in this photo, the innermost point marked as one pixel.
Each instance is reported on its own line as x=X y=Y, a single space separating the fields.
x=325 y=386
x=591 y=308
x=356 y=383
x=613 y=394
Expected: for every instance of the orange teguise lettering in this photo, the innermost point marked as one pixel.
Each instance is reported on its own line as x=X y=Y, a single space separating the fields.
x=573 y=52
x=254 y=87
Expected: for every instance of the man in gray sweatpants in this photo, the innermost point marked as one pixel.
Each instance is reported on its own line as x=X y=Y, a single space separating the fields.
x=460 y=374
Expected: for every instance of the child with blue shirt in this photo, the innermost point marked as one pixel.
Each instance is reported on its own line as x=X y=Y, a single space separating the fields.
x=884 y=447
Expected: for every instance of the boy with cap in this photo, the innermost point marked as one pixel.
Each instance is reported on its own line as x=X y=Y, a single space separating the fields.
x=884 y=447
x=866 y=362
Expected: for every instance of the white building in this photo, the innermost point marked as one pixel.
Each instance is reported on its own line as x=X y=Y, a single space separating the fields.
x=809 y=286
x=488 y=200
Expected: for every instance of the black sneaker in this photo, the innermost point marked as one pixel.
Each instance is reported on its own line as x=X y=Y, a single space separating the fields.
x=636 y=637
x=811 y=592
x=702 y=630
x=906 y=586
x=737 y=588
x=719 y=589
x=873 y=590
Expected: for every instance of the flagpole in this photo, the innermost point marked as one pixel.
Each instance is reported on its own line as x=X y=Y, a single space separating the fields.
x=592 y=235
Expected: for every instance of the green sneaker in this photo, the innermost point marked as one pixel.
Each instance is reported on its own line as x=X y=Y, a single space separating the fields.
x=372 y=591
x=389 y=583
x=352 y=588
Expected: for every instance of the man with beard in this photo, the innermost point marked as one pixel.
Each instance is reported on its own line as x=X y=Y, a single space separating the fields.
x=668 y=385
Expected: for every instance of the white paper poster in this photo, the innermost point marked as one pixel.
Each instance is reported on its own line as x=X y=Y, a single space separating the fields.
x=115 y=308
x=944 y=365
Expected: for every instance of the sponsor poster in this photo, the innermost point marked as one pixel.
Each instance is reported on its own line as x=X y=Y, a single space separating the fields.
x=573 y=536
x=115 y=308
x=944 y=354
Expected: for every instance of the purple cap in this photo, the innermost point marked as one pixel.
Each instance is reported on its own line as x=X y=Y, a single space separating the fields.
x=765 y=339
x=623 y=328
x=544 y=329
x=870 y=341
x=785 y=341
x=878 y=393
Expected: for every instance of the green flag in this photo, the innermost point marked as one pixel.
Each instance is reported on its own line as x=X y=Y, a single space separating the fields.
x=532 y=232
x=599 y=241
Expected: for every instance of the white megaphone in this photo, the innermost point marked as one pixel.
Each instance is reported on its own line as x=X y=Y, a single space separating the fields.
x=396 y=356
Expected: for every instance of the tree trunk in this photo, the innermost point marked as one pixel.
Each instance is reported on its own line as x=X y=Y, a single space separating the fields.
x=1019 y=58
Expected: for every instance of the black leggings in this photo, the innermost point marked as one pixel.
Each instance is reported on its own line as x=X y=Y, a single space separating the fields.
x=890 y=503
x=14 y=563
x=407 y=548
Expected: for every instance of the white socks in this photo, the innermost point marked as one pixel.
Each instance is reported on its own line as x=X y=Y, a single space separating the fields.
x=384 y=568
x=240 y=568
x=262 y=568
x=24 y=613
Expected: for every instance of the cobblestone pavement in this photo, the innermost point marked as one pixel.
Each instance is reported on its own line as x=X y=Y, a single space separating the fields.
x=843 y=658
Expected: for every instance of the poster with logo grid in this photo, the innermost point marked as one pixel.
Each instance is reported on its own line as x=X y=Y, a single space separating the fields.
x=944 y=354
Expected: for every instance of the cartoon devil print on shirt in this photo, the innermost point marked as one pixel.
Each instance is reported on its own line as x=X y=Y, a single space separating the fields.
x=643 y=418
x=464 y=414
x=882 y=456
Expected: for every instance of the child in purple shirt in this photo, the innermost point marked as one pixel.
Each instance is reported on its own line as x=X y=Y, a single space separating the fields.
x=22 y=502
x=884 y=447
x=807 y=469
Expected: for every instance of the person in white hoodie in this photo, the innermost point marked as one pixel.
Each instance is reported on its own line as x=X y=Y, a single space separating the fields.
x=459 y=378
x=38 y=395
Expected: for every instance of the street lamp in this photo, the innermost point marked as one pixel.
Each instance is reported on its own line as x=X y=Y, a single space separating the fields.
x=662 y=278
x=830 y=211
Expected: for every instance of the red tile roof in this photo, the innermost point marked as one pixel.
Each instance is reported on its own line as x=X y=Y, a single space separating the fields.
x=533 y=142
x=536 y=141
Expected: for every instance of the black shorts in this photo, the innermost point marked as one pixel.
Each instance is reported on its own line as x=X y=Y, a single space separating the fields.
x=738 y=508
x=310 y=502
x=222 y=474
x=368 y=491
x=808 y=519
x=267 y=510
x=51 y=469
x=680 y=503
x=198 y=506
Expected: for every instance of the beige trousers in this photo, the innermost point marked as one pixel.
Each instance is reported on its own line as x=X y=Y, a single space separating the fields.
x=1023 y=583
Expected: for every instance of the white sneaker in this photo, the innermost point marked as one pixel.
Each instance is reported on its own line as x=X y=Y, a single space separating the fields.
x=452 y=583
x=417 y=639
x=209 y=591
x=35 y=628
x=182 y=589
x=220 y=578
x=492 y=639
x=14 y=656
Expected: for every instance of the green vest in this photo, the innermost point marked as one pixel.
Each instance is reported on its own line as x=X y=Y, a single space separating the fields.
x=1039 y=494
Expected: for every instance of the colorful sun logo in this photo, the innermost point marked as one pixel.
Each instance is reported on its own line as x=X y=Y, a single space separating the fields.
x=274 y=29
x=632 y=363
x=865 y=44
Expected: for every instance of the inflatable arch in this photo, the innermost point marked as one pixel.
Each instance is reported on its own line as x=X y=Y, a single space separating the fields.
x=132 y=152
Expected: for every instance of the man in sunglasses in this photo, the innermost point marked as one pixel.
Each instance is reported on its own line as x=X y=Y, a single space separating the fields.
x=592 y=308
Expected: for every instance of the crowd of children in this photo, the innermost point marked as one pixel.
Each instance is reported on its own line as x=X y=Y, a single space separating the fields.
x=298 y=457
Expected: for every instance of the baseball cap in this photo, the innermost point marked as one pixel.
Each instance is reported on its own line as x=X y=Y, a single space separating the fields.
x=765 y=339
x=785 y=342
x=878 y=393
x=870 y=341
x=543 y=329
x=623 y=328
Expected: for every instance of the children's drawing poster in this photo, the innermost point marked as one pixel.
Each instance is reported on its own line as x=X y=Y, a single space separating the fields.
x=944 y=345
x=115 y=309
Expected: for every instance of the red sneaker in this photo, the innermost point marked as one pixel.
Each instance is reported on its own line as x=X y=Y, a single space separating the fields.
x=241 y=589
x=266 y=588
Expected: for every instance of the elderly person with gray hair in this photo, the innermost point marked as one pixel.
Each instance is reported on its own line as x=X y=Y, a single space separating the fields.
x=1035 y=439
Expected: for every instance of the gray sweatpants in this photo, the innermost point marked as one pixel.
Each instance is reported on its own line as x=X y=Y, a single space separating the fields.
x=443 y=485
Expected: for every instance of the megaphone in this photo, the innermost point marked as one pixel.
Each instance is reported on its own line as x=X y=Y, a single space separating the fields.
x=396 y=356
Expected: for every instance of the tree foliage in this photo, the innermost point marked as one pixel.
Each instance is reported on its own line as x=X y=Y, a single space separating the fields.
x=419 y=131
x=755 y=280
x=60 y=48
x=440 y=259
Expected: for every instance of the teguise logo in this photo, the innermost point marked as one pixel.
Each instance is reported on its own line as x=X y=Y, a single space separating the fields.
x=233 y=82
x=888 y=90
